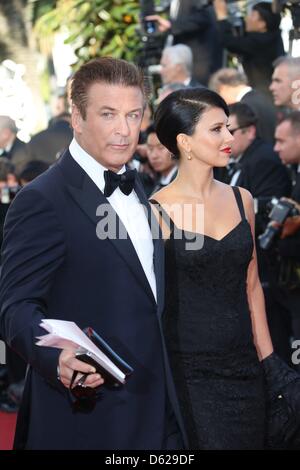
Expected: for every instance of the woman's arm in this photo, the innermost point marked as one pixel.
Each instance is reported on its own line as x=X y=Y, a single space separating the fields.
x=261 y=334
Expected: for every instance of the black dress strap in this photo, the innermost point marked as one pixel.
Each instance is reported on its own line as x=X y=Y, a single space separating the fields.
x=165 y=216
x=239 y=201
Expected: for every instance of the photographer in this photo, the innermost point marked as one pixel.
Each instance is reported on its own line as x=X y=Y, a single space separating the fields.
x=258 y=47
x=193 y=24
x=287 y=137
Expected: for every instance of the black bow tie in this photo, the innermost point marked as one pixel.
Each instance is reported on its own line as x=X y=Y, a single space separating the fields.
x=232 y=167
x=125 y=182
x=4 y=154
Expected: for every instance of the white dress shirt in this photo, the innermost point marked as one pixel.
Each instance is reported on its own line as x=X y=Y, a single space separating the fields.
x=128 y=208
x=237 y=173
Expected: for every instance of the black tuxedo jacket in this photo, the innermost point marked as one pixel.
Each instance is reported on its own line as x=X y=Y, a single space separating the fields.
x=262 y=172
x=55 y=266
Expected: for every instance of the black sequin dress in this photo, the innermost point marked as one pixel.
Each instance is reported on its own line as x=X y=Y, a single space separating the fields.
x=208 y=332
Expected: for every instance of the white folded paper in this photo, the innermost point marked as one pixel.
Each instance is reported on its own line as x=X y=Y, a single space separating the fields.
x=67 y=335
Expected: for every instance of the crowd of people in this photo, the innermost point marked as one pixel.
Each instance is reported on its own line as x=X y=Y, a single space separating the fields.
x=202 y=296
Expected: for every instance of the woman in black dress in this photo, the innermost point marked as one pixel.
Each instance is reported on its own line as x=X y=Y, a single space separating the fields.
x=214 y=321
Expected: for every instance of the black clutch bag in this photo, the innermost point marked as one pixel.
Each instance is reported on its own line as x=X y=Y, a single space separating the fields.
x=283 y=404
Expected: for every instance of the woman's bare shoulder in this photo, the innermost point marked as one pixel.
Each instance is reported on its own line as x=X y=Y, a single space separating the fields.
x=164 y=196
x=226 y=188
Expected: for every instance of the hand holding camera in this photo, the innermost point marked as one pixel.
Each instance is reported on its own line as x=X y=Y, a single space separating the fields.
x=284 y=217
x=290 y=227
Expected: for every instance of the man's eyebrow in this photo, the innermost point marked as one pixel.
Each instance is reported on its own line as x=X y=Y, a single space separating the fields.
x=109 y=108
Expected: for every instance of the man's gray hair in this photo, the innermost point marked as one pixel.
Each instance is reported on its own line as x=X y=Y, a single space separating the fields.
x=180 y=54
x=227 y=76
x=8 y=123
x=293 y=64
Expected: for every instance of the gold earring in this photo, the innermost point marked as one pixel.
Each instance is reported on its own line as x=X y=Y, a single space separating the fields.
x=189 y=156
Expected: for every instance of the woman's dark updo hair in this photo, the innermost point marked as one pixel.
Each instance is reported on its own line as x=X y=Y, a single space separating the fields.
x=181 y=111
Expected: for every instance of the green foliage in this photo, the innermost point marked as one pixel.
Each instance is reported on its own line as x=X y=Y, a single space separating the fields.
x=40 y=7
x=95 y=27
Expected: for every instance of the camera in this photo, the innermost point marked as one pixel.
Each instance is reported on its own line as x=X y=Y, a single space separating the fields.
x=152 y=41
x=150 y=27
x=280 y=211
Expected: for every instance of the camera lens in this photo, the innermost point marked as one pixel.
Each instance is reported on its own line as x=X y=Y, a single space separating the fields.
x=150 y=26
x=266 y=238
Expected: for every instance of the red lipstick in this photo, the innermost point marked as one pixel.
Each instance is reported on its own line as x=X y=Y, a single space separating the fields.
x=226 y=150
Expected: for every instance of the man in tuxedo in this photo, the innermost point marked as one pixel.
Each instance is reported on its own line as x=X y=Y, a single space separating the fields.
x=78 y=246
x=258 y=168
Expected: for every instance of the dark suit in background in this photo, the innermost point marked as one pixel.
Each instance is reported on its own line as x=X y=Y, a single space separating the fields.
x=49 y=143
x=265 y=112
x=257 y=52
x=289 y=251
x=18 y=154
x=195 y=26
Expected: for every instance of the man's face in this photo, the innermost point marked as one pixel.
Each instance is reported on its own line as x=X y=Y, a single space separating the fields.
x=254 y=23
x=242 y=137
x=281 y=86
x=287 y=143
x=158 y=155
x=110 y=130
x=169 y=71
x=5 y=136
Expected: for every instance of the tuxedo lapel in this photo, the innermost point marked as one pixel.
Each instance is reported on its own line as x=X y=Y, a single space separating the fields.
x=89 y=197
x=244 y=165
x=158 y=247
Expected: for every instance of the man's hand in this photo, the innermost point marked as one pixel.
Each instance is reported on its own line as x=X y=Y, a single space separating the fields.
x=68 y=364
x=290 y=227
x=220 y=7
x=163 y=24
x=295 y=203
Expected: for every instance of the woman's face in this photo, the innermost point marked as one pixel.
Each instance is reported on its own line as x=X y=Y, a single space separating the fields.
x=211 y=141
